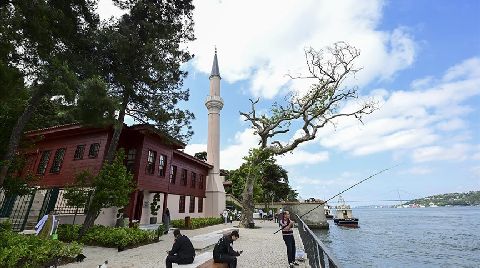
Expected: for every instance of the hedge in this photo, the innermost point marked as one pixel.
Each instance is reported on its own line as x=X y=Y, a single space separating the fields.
x=196 y=222
x=112 y=237
x=18 y=250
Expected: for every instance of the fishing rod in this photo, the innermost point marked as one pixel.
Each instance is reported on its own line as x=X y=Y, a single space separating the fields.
x=324 y=202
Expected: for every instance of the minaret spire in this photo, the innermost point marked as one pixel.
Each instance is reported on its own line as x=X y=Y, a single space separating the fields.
x=215 y=70
x=214 y=192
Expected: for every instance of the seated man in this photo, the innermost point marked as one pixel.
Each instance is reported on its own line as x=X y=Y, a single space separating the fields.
x=182 y=251
x=223 y=251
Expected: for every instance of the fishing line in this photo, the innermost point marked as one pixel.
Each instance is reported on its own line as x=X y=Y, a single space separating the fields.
x=324 y=202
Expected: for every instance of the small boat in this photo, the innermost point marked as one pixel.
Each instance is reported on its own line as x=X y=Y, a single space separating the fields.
x=328 y=214
x=343 y=215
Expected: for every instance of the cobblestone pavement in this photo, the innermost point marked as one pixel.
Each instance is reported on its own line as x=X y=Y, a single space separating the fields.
x=261 y=248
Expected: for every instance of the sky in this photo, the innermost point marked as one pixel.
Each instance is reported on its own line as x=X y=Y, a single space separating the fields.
x=420 y=61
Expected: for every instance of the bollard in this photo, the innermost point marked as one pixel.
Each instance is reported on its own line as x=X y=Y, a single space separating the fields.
x=188 y=222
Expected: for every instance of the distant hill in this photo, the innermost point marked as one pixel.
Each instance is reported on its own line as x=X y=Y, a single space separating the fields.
x=471 y=198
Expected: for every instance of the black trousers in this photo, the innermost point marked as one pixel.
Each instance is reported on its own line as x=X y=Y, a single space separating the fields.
x=290 y=243
x=177 y=259
x=228 y=259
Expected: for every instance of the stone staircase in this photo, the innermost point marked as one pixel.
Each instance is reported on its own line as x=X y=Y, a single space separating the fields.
x=35 y=209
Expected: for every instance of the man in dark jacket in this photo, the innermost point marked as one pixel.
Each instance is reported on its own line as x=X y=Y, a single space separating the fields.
x=182 y=251
x=223 y=251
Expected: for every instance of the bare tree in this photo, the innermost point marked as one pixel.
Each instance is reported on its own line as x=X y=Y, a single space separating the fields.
x=307 y=113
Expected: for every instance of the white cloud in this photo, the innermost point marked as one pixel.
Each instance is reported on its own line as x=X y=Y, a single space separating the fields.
x=476 y=153
x=468 y=69
x=194 y=148
x=418 y=171
x=231 y=157
x=427 y=119
x=450 y=125
x=457 y=152
x=319 y=187
x=264 y=40
x=422 y=82
x=301 y=157
x=475 y=171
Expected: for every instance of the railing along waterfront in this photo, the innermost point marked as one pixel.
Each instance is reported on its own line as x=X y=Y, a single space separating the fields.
x=317 y=253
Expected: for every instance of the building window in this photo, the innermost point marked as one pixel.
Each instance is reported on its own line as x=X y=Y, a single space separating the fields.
x=130 y=163
x=194 y=179
x=184 y=177
x=93 y=151
x=79 y=152
x=42 y=166
x=152 y=156
x=181 y=204
x=162 y=165
x=200 y=181
x=200 y=204
x=191 y=209
x=173 y=174
x=57 y=160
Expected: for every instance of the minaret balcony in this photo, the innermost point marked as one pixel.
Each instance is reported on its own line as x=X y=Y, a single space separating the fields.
x=214 y=103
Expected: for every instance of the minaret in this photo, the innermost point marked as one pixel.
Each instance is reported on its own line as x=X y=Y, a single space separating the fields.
x=215 y=193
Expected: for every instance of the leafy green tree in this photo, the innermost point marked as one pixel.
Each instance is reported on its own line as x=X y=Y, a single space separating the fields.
x=201 y=155
x=40 y=50
x=237 y=177
x=140 y=57
x=111 y=188
x=270 y=185
x=77 y=197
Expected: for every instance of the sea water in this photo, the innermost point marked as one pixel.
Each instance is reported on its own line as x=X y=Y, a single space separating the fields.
x=408 y=237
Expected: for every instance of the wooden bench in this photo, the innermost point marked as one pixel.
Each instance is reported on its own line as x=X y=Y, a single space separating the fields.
x=211 y=264
x=203 y=260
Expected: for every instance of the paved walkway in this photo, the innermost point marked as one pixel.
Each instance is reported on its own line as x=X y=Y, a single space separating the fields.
x=261 y=248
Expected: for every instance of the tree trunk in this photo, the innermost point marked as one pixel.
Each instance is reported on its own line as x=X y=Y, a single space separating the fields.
x=110 y=155
x=75 y=215
x=117 y=130
x=88 y=223
x=17 y=132
x=247 y=203
x=265 y=203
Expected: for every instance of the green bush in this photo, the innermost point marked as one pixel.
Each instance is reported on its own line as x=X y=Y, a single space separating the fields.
x=160 y=230
x=231 y=203
x=105 y=236
x=197 y=222
x=18 y=250
x=177 y=223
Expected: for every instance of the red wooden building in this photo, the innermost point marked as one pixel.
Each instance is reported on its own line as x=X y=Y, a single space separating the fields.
x=156 y=161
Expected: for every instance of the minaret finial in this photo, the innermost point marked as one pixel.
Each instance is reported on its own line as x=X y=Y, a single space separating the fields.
x=215 y=70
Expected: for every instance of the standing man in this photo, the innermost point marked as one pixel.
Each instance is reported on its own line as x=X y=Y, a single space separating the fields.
x=182 y=250
x=225 y=215
x=166 y=220
x=287 y=233
x=223 y=251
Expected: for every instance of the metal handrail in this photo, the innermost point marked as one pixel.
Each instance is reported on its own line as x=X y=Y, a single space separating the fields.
x=316 y=251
